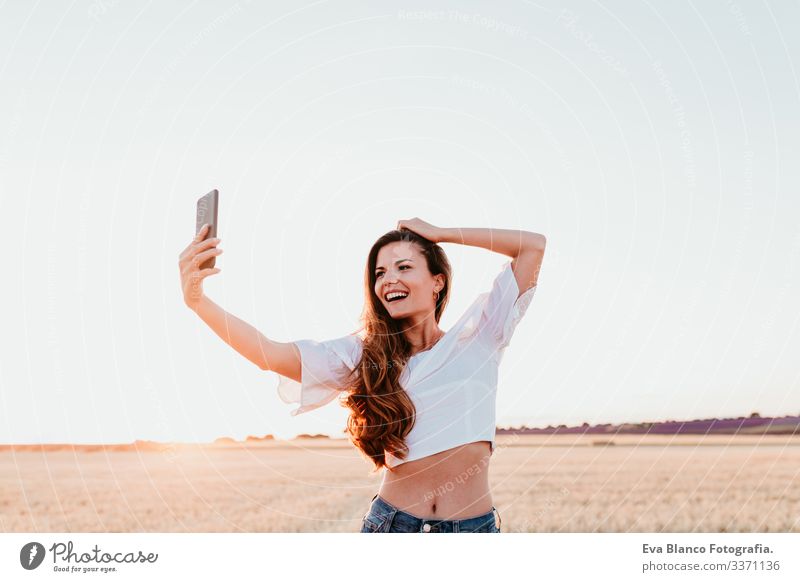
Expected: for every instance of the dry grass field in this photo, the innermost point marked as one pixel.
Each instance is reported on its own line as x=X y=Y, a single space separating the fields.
x=539 y=484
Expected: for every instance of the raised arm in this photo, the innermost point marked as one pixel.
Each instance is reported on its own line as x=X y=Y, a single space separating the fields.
x=282 y=358
x=525 y=248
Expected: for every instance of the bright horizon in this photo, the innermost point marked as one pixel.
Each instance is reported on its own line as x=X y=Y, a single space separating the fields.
x=654 y=148
x=344 y=438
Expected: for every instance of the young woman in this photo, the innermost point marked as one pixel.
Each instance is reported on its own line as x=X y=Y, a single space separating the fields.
x=421 y=400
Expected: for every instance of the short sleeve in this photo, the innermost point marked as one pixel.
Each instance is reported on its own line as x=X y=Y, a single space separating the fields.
x=501 y=309
x=325 y=369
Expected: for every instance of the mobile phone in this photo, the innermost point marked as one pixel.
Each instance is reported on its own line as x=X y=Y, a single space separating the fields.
x=207 y=213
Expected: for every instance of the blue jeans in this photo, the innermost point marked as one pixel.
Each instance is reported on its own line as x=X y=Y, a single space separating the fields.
x=383 y=517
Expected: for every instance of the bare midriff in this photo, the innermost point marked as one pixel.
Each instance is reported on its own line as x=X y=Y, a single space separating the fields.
x=452 y=484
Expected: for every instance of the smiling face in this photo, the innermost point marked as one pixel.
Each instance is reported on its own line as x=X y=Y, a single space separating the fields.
x=401 y=267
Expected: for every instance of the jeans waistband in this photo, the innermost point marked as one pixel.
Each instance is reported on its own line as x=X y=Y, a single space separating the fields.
x=385 y=506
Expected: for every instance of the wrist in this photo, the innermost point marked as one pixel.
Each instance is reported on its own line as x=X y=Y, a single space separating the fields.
x=194 y=304
x=449 y=235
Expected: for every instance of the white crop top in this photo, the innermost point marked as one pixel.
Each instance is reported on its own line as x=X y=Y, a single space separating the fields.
x=453 y=384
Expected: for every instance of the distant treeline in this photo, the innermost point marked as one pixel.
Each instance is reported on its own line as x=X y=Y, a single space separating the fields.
x=753 y=424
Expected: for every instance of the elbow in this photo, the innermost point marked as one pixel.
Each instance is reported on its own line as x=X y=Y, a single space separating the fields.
x=536 y=242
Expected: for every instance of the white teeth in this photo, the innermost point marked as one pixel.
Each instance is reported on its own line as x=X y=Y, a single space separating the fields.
x=391 y=296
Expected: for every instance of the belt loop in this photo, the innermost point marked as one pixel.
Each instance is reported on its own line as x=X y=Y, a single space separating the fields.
x=387 y=527
x=370 y=507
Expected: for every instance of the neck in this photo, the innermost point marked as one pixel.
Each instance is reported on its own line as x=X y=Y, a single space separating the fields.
x=423 y=335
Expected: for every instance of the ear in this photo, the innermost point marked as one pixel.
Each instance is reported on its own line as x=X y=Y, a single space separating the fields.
x=440 y=281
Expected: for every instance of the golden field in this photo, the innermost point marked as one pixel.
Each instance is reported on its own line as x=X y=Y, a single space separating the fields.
x=539 y=484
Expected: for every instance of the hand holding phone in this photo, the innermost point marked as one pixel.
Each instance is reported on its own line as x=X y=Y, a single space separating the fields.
x=196 y=261
x=207 y=207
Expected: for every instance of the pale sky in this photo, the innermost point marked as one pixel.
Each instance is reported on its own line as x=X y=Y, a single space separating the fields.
x=655 y=145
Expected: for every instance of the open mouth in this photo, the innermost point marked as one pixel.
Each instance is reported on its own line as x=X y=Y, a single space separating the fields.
x=395 y=297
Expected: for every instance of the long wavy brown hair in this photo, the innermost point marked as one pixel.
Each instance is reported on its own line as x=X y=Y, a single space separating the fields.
x=381 y=412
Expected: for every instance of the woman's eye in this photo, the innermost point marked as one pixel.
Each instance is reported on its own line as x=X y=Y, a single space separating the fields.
x=381 y=273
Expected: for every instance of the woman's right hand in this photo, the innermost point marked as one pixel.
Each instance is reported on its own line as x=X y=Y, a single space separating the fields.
x=189 y=262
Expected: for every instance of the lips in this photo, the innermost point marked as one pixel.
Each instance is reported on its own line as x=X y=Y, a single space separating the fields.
x=395 y=297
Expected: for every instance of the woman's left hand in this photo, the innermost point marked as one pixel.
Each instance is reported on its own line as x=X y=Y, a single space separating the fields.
x=422 y=228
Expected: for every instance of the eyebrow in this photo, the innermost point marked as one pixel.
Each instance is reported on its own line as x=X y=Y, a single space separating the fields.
x=397 y=261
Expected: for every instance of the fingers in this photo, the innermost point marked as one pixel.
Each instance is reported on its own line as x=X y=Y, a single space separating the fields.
x=191 y=259
x=201 y=258
x=201 y=233
x=209 y=242
x=203 y=273
x=196 y=247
